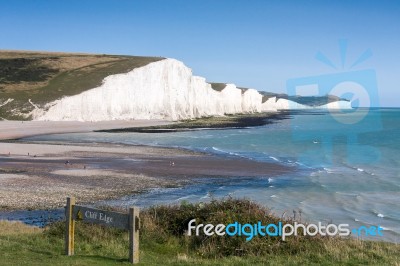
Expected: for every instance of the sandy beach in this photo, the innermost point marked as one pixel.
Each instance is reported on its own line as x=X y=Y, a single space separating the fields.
x=41 y=176
x=23 y=129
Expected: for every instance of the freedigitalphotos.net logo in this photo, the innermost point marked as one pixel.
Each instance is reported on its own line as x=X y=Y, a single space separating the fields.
x=357 y=86
x=249 y=231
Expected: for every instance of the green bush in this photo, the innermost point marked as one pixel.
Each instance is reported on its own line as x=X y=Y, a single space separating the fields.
x=173 y=221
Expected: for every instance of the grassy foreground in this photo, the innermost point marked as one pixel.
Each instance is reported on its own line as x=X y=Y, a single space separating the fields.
x=163 y=242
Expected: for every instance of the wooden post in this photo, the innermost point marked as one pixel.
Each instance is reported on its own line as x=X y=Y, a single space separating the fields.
x=134 y=224
x=70 y=227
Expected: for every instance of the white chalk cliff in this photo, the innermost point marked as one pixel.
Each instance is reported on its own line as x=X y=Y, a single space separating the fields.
x=164 y=89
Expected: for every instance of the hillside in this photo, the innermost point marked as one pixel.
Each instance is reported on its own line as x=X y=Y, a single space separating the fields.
x=44 y=77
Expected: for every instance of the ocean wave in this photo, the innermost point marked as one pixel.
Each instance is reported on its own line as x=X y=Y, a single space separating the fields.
x=314 y=173
x=358 y=169
x=207 y=196
x=302 y=164
x=226 y=152
x=164 y=190
x=287 y=161
x=347 y=194
x=378 y=213
x=185 y=197
x=274 y=158
x=328 y=170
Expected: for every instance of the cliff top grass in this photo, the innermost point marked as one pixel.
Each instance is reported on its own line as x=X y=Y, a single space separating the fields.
x=44 y=77
x=163 y=242
x=306 y=100
x=217 y=86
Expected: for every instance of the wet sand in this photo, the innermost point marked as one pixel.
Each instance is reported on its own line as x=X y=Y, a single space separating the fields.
x=20 y=129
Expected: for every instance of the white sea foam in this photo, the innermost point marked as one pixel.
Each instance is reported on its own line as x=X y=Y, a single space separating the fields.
x=329 y=171
x=274 y=158
x=226 y=152
x=207 y=196
x=347 y=194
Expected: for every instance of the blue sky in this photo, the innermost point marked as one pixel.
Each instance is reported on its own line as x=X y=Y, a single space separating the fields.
x=259 y=44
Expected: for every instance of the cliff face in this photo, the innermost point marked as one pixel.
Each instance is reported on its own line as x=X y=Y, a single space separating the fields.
x=164 y=89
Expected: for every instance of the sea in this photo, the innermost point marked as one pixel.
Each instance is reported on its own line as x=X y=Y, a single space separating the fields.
x=347 y=166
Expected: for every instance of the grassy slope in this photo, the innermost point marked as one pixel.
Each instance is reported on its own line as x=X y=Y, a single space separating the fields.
x=45 y=77
x=217 y=86
x=163 y=243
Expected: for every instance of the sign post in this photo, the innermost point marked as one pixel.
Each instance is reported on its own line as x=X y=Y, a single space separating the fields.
x=130 y=222
x=70 y=228
x=134 y=224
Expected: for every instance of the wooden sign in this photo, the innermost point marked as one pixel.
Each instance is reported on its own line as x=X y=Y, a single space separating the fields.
x=130 y=222
x=110 y=219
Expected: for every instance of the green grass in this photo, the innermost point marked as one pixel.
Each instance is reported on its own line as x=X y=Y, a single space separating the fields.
x=14 y=70
x=217 y=86
x=163 y=242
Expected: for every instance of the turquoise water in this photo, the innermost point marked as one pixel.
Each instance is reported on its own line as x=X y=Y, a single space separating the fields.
x=348 y=166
